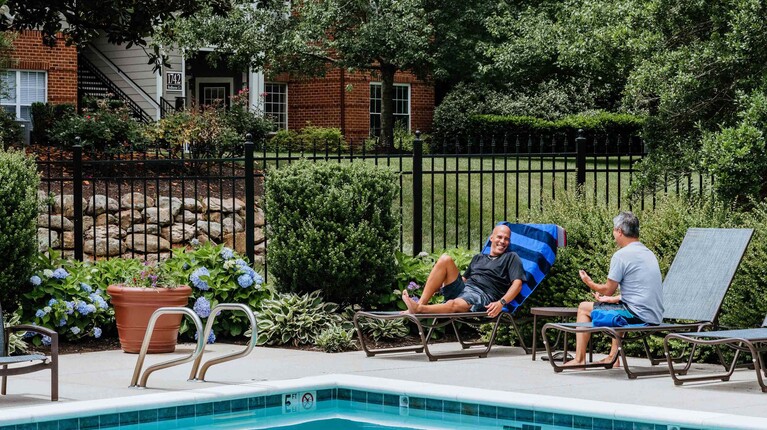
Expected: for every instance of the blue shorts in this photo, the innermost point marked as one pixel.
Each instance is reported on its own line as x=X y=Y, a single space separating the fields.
x=475 y=297
x=621 y=308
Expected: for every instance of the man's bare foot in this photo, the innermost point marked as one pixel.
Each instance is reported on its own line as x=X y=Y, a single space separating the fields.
x=574 y=363
x=608 y=360
x=412 y=307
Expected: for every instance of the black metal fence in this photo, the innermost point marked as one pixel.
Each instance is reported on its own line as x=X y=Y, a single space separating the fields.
x=450 y=194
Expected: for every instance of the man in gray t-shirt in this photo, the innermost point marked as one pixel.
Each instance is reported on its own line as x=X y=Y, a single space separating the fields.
x=635 y=269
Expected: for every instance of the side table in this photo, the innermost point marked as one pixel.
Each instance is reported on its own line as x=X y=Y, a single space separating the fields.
x=551 y=312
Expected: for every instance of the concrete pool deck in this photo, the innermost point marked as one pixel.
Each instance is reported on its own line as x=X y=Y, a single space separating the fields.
x=106 y=375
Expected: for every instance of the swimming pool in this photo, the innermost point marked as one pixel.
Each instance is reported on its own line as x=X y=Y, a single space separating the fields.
x=366 y=402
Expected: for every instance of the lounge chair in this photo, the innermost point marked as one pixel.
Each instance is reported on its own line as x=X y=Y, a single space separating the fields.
x=536 y=245
x=20 y=364
x=751 y=341
x=693 y=291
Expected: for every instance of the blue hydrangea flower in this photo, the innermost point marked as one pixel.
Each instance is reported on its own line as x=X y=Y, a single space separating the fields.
x=197 y=282
x=62 y=322
x=35 y=280
x=46 y=340
x=91 y=308
x=258 y=279
x=240 y=263
x=75 y=330
x=96 y=332
x=413 y=286
x=98 y=301
x=245 y=280
x=87 y=288
x=40 y=313
x=211 y=338
x=52 y=302
x=202 y=307
x=28 y=334
x=83 y=308
x=227 y=253
x=60 y=273
x=194 y=242
x=70 y=307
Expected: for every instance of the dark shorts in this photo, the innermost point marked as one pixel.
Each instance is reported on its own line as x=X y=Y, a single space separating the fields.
x=621 y=308
x=475 y=297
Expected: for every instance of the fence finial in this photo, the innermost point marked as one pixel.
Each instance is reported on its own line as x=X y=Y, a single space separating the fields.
x=248 y=137
x=418 y=134
x=77 y=140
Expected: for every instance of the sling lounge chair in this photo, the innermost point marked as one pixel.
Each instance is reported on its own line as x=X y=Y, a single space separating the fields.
x=751 y=341
x=693 y=291
x=536 y=245
x=21 y=364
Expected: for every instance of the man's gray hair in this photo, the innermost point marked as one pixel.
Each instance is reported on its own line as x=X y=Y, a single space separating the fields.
x=628 y=223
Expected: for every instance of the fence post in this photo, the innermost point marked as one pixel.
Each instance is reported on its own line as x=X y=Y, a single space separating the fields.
x=417 y=194
x=580 y=160
x=250 y=200
x=77 y=179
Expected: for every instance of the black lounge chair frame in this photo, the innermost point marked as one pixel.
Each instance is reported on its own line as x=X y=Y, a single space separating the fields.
x=702 y=253
x=427 y=323
x=748 y=341
x=40 y=362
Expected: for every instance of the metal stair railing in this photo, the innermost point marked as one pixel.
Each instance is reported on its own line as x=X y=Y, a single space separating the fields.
x=166 y=107
x=202 y=337
x=85 y=65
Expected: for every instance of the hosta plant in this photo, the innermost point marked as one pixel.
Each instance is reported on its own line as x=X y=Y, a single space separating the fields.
x=336 y=339
x=295 y=319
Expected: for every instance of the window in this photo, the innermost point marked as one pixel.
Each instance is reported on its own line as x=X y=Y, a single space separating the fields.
x=276 y=104
x=401 y=107
x=20 y=89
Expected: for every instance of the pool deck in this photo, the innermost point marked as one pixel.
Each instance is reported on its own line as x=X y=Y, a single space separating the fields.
x=106 y=375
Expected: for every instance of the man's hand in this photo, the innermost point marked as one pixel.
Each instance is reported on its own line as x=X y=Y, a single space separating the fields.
x=585 y=277
x=493 y=309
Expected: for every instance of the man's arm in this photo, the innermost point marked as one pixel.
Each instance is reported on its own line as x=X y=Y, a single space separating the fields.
x=607 y=289
x=495 y=308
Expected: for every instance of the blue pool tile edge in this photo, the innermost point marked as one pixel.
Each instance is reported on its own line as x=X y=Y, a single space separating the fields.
x=472 y=403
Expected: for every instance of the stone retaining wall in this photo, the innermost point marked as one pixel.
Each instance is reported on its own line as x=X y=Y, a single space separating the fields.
x=142 y=226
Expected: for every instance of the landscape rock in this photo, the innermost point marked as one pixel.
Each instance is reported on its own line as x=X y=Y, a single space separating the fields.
x=104 y=247
x=136 y=201
x=55 y=222
x=146 y=243
x=99 y=204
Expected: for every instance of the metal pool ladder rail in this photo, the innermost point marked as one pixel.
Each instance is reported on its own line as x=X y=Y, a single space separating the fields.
x=196 y=355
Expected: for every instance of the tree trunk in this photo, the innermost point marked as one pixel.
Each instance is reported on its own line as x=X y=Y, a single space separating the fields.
x=387 y=104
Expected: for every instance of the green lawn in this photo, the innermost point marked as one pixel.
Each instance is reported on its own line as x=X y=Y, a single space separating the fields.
x=464 y=197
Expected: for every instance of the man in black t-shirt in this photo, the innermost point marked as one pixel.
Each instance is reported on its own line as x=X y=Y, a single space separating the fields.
x=490 y=281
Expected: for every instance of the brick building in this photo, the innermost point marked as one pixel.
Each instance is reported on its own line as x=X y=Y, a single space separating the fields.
x=38 y=73
x=349 y=101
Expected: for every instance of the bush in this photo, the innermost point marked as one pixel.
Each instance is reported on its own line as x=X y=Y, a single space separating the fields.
x=292 y=319
x=106 y=126
x=244 y=120
x=403 y=141
x=10 y=130
x=18 y=234
x=592 y=123
x=206 y=133
x=44 y=116
x=310 y=138
x=332 y=228
x=737 y=156
x=336 y=339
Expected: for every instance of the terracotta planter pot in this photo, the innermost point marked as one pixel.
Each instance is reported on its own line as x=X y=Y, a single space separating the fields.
x=133 y=308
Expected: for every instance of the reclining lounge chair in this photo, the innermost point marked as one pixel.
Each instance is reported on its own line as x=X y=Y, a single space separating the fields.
x=751 y=341
x=693 y=291
x=536 y=245
x=20 y=364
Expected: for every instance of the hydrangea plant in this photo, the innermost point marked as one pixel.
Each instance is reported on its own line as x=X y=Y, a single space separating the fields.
x=217 y=274
x=63 y=298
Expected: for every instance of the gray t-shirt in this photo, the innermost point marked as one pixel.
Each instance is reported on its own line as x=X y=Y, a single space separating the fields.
x=636 y=269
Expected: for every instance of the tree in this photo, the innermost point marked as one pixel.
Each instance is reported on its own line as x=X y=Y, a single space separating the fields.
x=123 y=21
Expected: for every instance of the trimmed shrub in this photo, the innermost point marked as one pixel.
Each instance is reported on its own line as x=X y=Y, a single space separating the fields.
x=18 y=218
x=310 y=138
x=592 y=123
x=332 y=228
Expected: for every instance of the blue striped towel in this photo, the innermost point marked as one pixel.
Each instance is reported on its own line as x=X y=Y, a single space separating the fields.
x=536 y=245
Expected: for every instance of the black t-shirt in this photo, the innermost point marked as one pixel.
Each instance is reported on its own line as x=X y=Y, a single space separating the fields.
x=494 y=275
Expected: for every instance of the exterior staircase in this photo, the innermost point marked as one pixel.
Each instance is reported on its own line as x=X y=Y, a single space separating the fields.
x=91 y=82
